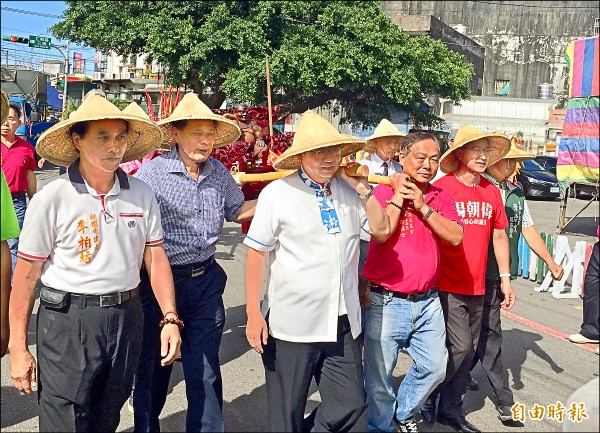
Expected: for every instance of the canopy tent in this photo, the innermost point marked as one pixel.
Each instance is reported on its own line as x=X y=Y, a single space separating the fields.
x=579 y=144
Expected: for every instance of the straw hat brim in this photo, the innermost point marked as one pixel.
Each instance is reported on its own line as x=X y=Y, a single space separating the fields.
x=227 y=131
x=56 y=145
x=290 y=159
x=4 y=108
x=516 y=153
x=499 y=143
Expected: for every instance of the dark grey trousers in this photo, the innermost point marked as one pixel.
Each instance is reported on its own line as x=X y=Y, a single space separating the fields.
x=87 y=358
x=337 y=370
x=489 y=348
x=463 y=324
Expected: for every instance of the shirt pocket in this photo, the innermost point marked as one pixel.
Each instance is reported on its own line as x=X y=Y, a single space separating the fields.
x=212 y=210
x=349 y=219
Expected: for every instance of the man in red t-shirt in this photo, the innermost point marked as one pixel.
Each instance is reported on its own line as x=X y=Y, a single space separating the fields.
x=462 y=268
x=402 y=266
x=18 y=165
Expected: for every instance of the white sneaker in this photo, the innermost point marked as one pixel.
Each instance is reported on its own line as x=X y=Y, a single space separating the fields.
x=406 y=426
x=580 y=339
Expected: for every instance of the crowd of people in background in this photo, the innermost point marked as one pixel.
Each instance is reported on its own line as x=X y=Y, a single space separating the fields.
x=355 y=272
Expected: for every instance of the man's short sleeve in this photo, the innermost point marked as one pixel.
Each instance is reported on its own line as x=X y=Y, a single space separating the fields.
x=264 y=229
x=9 y=229
x=447 y=207
x=154 y=236
x=234 y=197
x=500 y=219
x=31 y=163
x=39 y=231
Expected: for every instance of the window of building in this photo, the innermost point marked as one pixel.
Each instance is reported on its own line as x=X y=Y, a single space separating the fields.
x=502 y=87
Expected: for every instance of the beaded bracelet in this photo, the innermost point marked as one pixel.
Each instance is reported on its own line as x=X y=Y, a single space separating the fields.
x=171 y=321
x=394 y=204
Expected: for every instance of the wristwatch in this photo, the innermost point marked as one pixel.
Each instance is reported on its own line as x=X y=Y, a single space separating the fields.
x=368 y=195
x=428 y=214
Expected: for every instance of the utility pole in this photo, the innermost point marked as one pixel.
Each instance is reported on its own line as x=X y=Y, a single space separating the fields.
x=66 y=57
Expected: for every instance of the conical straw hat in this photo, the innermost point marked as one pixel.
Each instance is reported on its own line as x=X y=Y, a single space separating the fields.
x=313 y=133
x=56 y=145
x=192 y=108
x=499 y=143
x=384 y=129
x=135 y=110
x=518 y=153
x=5 y=107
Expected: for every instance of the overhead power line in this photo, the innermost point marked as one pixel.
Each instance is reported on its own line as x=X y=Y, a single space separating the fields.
x=21 y=11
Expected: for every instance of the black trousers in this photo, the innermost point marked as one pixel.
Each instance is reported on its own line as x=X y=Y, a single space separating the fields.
x=591 y=294
x=87 y=358
x=489 y=348
x=463 y=323
x=337 y=370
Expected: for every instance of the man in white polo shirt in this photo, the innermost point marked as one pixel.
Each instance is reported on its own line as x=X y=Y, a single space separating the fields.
x=307 y=227
x=87 y=234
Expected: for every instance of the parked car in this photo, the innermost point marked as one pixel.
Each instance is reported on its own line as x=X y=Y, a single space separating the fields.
x=578 y=190
x=537 y=182
x=548 y=162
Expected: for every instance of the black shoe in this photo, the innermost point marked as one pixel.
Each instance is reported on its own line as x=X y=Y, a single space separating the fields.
x=460 y=423
x=472 y=384
x=505 y=416
x=406 y=426
x=428 y=412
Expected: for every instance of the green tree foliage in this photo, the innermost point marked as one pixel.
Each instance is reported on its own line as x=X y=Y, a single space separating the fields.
x=348 y=51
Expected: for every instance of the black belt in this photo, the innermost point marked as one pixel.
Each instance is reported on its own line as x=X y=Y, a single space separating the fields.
x=412 y=297
x=193 y=270
x=17 y=194
x=57 y=299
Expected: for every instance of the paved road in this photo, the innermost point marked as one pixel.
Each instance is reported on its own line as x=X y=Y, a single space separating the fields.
x=543 y=368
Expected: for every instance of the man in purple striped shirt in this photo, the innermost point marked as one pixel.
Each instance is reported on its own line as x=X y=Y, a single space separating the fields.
x=195 y=194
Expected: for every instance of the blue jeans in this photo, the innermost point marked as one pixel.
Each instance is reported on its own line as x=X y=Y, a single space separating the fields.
x=392 y=324
x=20 y=204
x=200 y=305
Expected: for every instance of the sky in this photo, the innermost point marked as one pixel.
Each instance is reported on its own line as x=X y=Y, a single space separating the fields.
x=26 y=24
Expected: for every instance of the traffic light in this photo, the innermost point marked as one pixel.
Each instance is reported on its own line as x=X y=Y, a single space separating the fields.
x=17 y=39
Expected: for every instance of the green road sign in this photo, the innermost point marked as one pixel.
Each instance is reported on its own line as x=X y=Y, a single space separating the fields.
x=39 y=42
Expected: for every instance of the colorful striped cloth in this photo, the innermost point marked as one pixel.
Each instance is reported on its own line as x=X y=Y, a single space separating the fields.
x=578 y=147
x=582 y=58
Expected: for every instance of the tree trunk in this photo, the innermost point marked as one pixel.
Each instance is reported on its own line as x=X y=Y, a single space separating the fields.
x=212 y=100
x=300 y=105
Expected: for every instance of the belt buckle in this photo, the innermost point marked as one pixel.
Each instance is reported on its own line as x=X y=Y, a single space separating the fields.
x=197 y=272
x=102 y=297
x=109 y=300
x=412 y=297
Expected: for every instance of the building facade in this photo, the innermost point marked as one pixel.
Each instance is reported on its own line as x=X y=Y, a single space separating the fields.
x=524 y=41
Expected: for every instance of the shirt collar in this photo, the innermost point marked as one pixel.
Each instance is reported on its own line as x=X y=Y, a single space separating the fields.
x=505 y=185
x=82 y=187
x=175 y=164
x=380 y=161
x=311 y=183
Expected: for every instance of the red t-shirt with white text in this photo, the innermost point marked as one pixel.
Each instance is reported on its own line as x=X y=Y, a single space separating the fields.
x=462 y=267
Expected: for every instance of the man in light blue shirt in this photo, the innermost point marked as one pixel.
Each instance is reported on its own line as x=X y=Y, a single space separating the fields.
x=196 y=194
